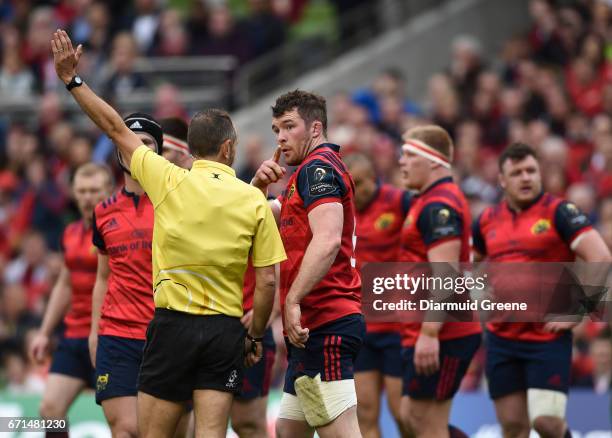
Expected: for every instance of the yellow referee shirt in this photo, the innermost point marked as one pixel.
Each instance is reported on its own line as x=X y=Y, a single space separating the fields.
x=207 y=222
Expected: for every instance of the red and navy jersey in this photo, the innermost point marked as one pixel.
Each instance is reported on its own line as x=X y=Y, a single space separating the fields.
x=81 y=260
x=379 y=225
x=123 y=230
x=321 y=178
x=542 y=232
x=248 y=290
x=438 y=215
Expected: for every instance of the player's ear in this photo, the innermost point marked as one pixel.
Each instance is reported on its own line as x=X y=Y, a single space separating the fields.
x=501 y=180
x=316 y=129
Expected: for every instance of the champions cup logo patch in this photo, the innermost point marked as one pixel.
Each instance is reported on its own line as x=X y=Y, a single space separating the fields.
x=384 y=221
x=320 y=180
x=541 y=226
x=572 y=209
x=101 y=382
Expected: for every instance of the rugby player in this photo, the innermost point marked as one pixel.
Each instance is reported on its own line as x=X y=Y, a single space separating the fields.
x=319 y=285
x=528 y=364
x=437 y=229
x=380 y=212
x=71 y=369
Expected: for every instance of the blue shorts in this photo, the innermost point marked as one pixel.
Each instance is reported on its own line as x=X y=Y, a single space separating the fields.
x=256 y=379
x=71 y=358
x=519 y=365
x=455 y=357
x=381 y=352
x=330 y=351
x=117 y=366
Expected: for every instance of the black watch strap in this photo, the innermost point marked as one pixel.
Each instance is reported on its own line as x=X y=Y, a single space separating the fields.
x=252 y=339
x=76 y=81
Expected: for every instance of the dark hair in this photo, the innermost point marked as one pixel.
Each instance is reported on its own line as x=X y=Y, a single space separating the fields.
x=433 y=136
x=175 y=126
x=516 y=152
x=309 y=106
x=359 y=159
x=208 y=130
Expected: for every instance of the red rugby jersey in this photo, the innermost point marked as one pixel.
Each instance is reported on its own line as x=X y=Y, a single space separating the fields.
x=321 y=178
x=542 y=232
x=439 y=214
x=379 y=226
x=81 y=259
x=123 y=229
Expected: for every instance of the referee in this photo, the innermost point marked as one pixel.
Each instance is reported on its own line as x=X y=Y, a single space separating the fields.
x=207 y=222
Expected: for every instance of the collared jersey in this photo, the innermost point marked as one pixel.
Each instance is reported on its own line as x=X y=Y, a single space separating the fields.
x=379 y=226
x=542 y=232
x=207 y=222
x=81 y=260
x=439 y=214
x=321 y=178
x=123 y=228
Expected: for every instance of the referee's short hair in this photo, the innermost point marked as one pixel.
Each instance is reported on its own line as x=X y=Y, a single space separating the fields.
x=208 y=130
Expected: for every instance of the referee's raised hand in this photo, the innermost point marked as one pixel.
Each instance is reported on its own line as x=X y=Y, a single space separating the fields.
x=65 y=57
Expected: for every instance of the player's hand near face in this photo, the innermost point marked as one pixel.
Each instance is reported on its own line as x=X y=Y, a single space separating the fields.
x=65 y=57
x=269 y=172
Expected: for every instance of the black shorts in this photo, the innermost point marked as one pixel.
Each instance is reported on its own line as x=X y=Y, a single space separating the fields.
x=117 y=363
x=329 y=351
x=455 y=357
x=71 y=358
x=185 y=352
x=519 y=365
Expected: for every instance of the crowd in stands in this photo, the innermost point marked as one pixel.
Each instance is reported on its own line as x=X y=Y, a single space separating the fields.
x=550 y=88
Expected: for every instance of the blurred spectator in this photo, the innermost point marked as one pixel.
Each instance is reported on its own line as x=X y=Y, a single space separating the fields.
x=172 y=38
x=36 y=51
x=466 y=65
x=584 y=196
x=20 y=379
x=121 y=77
x=142 y=22
x=264 y=30
x=599 y=376
x=15 y=79
x=168 y=103
x=253 y=151
x=545 y=40
x=41 y=204
x=50 y=113
x=29 y=272
x=222 y=36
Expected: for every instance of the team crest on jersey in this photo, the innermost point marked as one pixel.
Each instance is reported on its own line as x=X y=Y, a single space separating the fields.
x=541 y=226
x=408 y=221
x=101 y=382
x=93 y=249
x=384 y=221
x=291 y=191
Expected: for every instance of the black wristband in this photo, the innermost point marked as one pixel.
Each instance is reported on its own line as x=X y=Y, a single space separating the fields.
x=252 y=339
x=76 y=81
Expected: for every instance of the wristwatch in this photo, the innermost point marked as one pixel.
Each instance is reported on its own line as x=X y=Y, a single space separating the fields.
x=76 y=81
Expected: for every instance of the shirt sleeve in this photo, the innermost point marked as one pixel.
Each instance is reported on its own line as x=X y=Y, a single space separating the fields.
x=479 y=241
x=318 y=182
x=155 y=174
x=267 y=246
x=438 y=222
x=97 y=239
x=570 y=221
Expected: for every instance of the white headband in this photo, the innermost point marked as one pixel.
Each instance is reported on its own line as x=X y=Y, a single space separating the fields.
x=174 y=143
x=426 y=151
